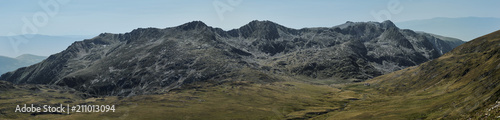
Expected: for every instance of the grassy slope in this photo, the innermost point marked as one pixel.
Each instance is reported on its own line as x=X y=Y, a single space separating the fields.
x=461 y=82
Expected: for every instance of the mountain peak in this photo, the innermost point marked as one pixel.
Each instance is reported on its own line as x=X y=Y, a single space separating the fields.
x=193 y=25
x=388 y=24
x=265 y=24
x=261 y=22
x=385 y=24
x=266 y=29
x=197 y=22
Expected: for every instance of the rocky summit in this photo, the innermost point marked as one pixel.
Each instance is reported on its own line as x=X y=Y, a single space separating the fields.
x=151 y=60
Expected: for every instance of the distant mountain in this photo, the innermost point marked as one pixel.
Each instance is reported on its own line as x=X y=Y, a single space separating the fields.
x=151 y=60
x=465 y=28
x=10 y=64
x=464 y=82
x=13 y=46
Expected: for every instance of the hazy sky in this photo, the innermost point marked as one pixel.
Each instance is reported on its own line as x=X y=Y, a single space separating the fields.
x=91 y=17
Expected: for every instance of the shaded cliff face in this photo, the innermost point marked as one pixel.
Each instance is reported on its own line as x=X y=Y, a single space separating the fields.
x=150 y=60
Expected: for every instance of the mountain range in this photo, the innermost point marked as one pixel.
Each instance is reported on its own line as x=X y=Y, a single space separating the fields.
x=462 y=83
x=152 y=60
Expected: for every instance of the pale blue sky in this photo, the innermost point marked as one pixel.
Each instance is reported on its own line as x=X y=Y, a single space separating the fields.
x=91 y=17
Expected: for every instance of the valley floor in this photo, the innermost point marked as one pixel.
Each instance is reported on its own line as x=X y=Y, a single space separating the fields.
x=238 y=100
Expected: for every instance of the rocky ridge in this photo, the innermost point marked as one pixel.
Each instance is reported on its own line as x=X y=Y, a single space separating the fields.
x=151 y=60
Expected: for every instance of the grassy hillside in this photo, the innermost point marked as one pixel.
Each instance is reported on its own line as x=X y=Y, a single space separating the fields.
x=462 y=81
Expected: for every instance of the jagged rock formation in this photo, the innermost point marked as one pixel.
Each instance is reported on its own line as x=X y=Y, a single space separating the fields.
x=149 y=60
